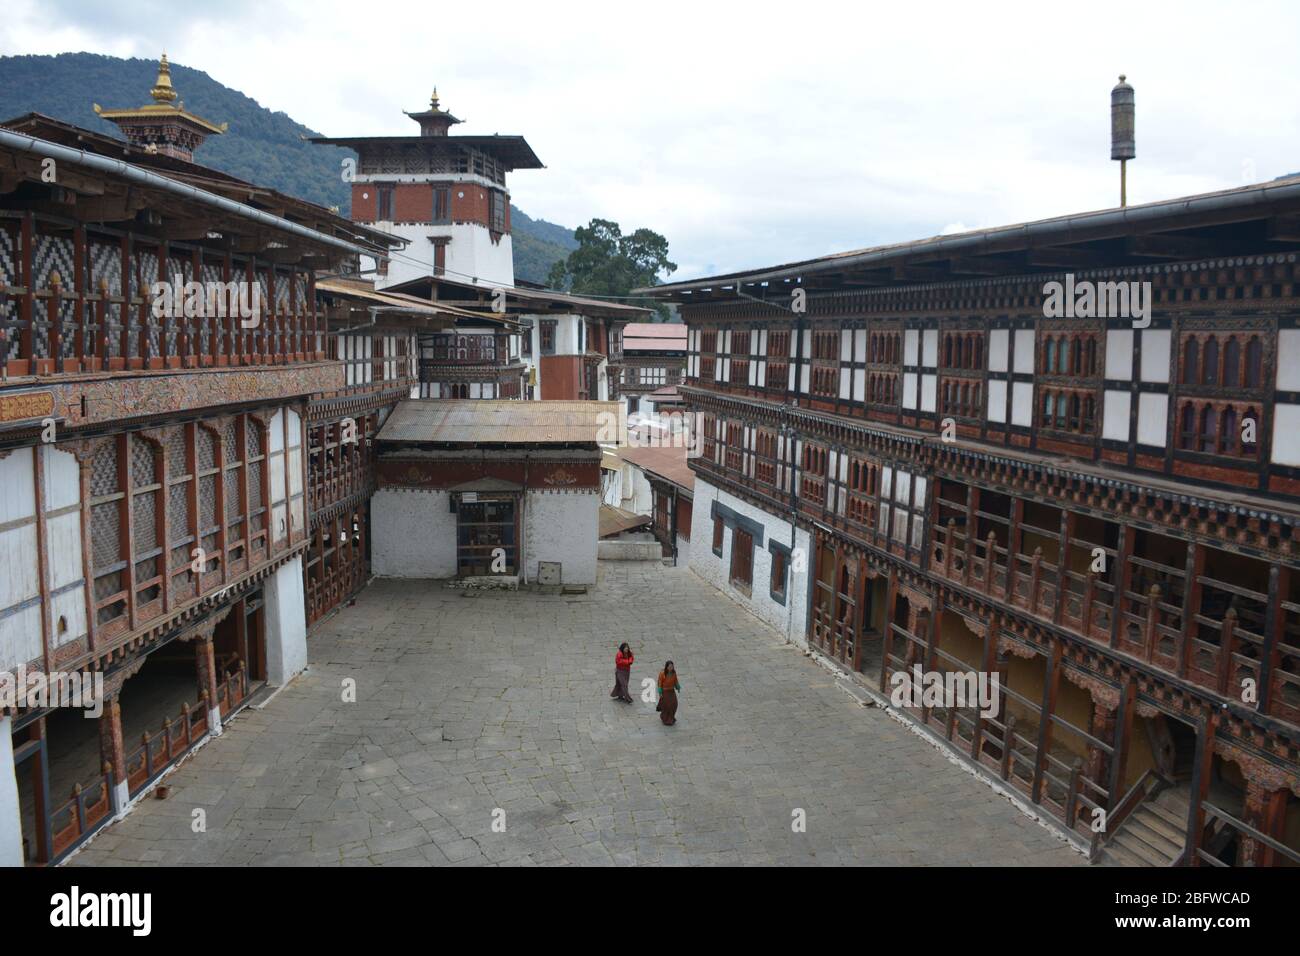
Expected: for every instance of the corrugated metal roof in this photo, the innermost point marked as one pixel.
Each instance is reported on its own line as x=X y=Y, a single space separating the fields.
x=617 y=520
x=502 y=422
x=667 y=462
x=406 y=303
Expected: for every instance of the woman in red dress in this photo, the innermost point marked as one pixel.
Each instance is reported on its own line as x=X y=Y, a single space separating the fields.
x=622 y=671
x=669 y=685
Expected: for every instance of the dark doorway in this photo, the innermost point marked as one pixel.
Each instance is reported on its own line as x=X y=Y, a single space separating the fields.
x=486 y=537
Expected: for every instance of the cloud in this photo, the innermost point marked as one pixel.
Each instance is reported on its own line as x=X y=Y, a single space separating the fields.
x=759 y=133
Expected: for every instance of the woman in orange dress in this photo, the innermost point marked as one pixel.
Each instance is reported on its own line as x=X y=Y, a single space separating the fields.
x=669 y=685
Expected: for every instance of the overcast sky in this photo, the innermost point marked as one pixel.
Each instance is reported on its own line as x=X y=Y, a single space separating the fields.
x=757 y=133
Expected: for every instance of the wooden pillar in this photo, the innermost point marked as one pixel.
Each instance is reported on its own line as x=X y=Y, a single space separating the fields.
x=206 y=668
x=1274 y=621
x=1120 y=580
x=891 y=596
x=40 y=793
x=988 y=663
x=1063 y=565
x=1191 y=602
x=1120 y=743
x=1051 y=684
x=1263 y=810
x=1103 y=728
x=1202 y=764
x=1013 y=548
x=972 y=527
x=112 y=750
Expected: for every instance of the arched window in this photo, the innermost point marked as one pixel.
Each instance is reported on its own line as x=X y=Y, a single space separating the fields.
x=1210 y=370
x=1048 y=404
x=1074 y=413
x=1049 y=363
x=1063 y=358
x=1254 y=362
x=1209 y=429
x=1191 y=360
x=1228 y=438
x=1188 y=437
x=1232 y=361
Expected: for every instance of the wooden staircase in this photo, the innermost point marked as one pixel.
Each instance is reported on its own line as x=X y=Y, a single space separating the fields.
x=1154 y=834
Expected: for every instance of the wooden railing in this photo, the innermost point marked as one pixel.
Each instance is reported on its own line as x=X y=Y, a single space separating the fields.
x=156 y=753
x=1155 y=621
x=1146 y=786
x=1244 y=831
x=97 y=314
x=89 y=808
x=232 y=691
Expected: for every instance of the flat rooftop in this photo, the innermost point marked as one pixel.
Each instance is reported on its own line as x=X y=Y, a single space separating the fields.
x=501 y=422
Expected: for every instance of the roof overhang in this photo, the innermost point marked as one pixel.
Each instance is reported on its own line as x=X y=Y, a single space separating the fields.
x=1236 y=222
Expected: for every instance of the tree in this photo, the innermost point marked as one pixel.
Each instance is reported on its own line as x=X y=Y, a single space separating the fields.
x=608 y=263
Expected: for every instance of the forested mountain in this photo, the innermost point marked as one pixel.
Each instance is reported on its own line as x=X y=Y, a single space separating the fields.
x=261 y=146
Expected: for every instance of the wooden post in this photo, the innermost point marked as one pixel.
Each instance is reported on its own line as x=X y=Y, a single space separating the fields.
x=1120 y=575
x=1191 y=603
x=990 y=561
x=1153 y=611
x=891 y=596
x=1063 y=565
x=54 y=322
x=1013 y=548
x=1072 y=793
x=1035 y=571
x=1051 y=684
x=1120 y=745
x=1008 y=744
x=972 y=527
x=1089 y=595
x=949 y=531
x=1200 y=787
x=1227 y=637
x=987 y=664
x=1274 y=620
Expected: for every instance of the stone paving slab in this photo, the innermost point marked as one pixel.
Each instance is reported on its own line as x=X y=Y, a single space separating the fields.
x=475 y=707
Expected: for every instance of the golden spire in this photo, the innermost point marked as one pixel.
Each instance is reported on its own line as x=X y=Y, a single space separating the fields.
x=163 y=91
x=433 y=100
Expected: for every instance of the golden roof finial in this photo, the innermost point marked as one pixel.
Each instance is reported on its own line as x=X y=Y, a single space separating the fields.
x=433 y=100
x=163 y=91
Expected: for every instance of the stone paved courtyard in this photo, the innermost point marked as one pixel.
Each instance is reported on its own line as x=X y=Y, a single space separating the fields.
x=469 y=703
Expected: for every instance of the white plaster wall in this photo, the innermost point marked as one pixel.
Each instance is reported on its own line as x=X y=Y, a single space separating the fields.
x=790 y=619
x=642 y=499
x=684 y=550
x=1115 y=415
x=1288 y=360
x=413 y=534
x=1286 y=434
x=564 y=527
x=20 y=587
x=11 y=821
x=612 y=486
x=471 y=254
x=286 y=624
